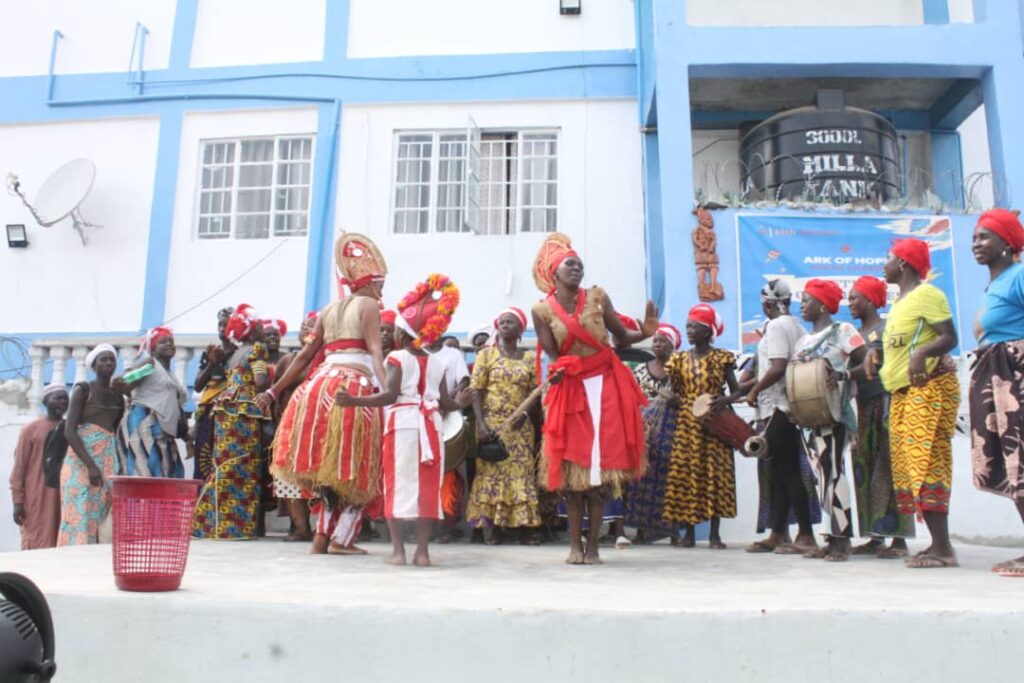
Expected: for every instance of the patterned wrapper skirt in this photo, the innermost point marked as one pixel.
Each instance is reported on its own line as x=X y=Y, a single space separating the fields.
x=229 y=502
x=921 y=425
x=318 y=444
x=504 y=493
x=145 y=450
x=203 y=445
x=997 y=420
x=83 y=508
x=877 y=515
x=645 y=498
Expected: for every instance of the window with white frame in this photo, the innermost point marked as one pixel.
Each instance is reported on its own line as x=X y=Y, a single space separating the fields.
x=487 y=182
x=255 y=188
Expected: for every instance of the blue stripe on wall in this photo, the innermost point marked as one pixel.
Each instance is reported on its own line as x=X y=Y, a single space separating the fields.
x=161 y=220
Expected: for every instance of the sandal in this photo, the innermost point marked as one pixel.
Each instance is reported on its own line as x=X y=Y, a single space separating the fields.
x=790 y=549
x=1011 y=568
x=892 y=553
x=869 y=548
x=623 y=543
x=717 y=545
x=760 y=547
x=925 y=560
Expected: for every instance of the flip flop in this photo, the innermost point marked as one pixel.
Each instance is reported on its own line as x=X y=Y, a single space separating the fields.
x=759 y=547
x=928 y=561
x=790 y=549
x=867 y=549
x=623 y=543
x=892 y=553
x=1011 y=568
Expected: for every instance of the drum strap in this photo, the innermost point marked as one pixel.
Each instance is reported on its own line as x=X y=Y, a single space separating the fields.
x=827 y=337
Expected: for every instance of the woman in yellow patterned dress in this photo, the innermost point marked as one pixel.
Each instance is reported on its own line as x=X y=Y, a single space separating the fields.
x=504 y=494
x=701 y=479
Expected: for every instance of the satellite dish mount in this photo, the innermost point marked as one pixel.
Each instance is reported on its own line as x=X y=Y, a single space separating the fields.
x=61 y=196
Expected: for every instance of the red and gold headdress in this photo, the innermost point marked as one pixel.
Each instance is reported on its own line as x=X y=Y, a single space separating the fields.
x=358 y=262
x=426 y=311
x=556 y=248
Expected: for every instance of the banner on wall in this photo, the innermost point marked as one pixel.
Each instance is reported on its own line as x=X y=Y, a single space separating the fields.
x=839 y=248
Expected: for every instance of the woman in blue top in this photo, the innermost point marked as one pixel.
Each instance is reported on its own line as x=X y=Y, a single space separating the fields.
x=997 y=382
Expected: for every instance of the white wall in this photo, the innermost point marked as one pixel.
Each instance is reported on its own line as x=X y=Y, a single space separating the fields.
x=97 y=34
x=233 y=32
x=977 y=165
x=197 y=268
x=600 y=202
x=390 y=28
x=56 y=284
x=803 y=12
x=961 y=11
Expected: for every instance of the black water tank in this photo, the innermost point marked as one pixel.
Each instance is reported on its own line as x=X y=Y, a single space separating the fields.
x=828 y=152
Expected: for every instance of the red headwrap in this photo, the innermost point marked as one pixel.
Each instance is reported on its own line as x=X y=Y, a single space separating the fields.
x=312 y=315
x=152 y=336
x=825 y=291
x=1006 y=224
x=706 y=315
x=240 y=323
x=279 y=325
x=387 y=316
x=629 y=323
x=873 y=289
x=671 y=333
x=518 y=313
x=915 y=253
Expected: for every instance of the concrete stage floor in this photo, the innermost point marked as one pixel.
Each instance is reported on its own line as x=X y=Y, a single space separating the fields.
x=267 y=611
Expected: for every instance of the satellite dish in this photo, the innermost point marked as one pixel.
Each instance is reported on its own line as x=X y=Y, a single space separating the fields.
x=65 y=189
x=61 y=195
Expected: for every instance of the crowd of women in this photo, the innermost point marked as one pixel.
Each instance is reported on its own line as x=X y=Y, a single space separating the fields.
x=349 y=427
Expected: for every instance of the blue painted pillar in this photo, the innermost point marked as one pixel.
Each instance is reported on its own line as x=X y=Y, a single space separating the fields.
x=935 y=11
x=320 y=257
x=161 y=218
x=185 y=14
x=947 y=167
x=652 y=220
x=675 y=156
x=336 y=32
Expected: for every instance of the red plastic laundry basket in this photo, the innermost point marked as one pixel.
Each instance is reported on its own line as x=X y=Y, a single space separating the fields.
x=152 y=526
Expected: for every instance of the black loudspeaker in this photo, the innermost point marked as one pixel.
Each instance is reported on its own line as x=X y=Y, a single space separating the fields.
x=26 y=632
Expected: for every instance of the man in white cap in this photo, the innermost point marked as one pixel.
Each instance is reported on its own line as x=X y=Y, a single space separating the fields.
x=36 y=505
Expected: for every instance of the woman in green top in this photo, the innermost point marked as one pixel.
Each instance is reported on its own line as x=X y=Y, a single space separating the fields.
x=921 y=379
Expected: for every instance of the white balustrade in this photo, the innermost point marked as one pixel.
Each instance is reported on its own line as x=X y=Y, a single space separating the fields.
x=181 y=358
x=60 y=355
x=81 y=369
x=38 y=356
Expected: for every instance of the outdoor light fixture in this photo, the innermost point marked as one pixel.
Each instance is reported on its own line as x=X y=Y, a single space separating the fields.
x=570 y=6
x=16 y=235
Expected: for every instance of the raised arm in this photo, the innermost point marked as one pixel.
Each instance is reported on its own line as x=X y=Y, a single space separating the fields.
x=622 y=335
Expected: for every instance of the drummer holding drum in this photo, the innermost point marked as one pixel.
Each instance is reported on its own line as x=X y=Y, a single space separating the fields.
x=819 y=392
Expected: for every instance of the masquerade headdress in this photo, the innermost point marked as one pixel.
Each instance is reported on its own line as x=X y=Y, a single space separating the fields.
x=357 y=261
x=426 y=311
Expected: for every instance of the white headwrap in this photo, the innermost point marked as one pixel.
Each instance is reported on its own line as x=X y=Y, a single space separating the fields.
x=95 y=353
x=483 y=329
x=53 y=389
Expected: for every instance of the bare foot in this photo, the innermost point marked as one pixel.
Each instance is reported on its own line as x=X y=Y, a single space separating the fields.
x=805 y=542
x=870 y=548
x=575 y=556
x=320 y=543
x=396 y=559
x=298 y=537
x=421 y=560
x=716 y=544
x=591 y=556
x=838 y=550
x=688 y=541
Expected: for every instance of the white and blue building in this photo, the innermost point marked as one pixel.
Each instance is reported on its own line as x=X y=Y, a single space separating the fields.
x=234 y=139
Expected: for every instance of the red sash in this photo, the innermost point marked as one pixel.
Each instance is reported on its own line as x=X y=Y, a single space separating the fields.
x=334 y=346
x=568 y=398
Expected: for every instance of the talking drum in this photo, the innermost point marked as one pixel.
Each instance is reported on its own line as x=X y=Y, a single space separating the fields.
x=456 y=431
x=812 y=402
x=729 y=427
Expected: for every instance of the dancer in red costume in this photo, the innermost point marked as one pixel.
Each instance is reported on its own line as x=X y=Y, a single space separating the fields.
x=593 y=430
x=336 y=450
